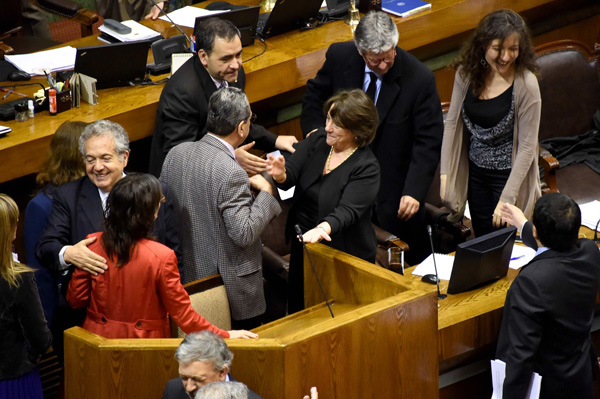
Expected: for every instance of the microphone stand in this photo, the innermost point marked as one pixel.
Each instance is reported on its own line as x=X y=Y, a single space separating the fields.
x=174 y=24
x=299 y=232
x=596 y=232
x=437 y=277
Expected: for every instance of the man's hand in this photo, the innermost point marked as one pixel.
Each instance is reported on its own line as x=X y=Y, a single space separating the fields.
x=258 y=182
x=286 y=143
x=276 y=168
x=513 y=216
x=497 y=217
x=80 y=256
x=313 y=394
x=155 y=11
x=242 y=334
x=250 y=163
x=408 y=207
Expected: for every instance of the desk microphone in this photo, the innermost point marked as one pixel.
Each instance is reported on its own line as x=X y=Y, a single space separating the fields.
x=174 y=24
x=596 y=232
x=299 y=232
x=429 y=276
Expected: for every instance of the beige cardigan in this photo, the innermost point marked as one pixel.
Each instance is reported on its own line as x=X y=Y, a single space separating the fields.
x=523 y=186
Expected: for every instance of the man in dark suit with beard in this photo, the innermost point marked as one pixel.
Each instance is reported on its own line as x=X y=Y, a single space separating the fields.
x=203 y=358
x=549 y=307
x=409 y=136
x=183 y=105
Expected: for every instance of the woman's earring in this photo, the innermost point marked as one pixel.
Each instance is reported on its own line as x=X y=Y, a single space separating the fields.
x=484 y=63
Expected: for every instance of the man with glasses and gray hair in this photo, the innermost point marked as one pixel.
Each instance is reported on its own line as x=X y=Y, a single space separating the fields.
x=220 y=220
x=409 y=137
x=204 y=359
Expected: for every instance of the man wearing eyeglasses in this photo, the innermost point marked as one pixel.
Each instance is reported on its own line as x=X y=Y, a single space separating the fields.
x=409 y=137
x=219 y=220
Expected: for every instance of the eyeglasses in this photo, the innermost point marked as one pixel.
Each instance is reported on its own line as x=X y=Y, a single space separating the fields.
x=377 y=61
x=253 y=117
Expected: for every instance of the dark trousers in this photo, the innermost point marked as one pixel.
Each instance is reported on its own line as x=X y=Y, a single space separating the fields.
x=485 y=188
x=412 y=231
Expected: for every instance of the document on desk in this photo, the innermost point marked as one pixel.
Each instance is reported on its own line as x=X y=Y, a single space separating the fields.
x=59 y=59
x=4 y=130
x=138 y=32
x=499 y=374
x=444 y=265
x=520 y=256
x=187 y=15
x=590 y=214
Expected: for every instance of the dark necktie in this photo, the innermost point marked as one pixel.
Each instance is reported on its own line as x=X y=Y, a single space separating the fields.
x=372 y=89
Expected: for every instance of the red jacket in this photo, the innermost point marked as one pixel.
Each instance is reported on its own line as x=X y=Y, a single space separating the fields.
x=132 y=301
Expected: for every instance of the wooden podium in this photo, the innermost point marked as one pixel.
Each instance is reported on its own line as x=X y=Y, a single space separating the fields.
x=381 y=343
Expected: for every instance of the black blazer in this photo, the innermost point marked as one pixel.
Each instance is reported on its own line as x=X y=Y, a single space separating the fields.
x=24 y=334
x=409 y=137
x=546 y=324
x=77 y=211
x=346 y=197
x=175 y=390
x=183 y=109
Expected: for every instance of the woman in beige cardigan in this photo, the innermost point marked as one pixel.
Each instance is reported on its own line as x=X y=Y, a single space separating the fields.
x=490 y=146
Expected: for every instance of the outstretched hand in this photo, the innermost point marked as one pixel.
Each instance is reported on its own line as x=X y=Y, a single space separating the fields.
x=249 y=162
x=276 y=168
x=242 y=334
x=512 y=215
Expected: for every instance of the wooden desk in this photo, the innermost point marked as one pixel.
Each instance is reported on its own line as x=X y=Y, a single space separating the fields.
x=289 y=61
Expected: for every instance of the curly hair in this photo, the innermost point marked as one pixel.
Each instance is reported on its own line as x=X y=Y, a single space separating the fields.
x=497 y=25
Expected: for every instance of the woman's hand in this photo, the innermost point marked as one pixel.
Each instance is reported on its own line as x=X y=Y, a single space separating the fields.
x=321 y=232
x=242 y=334
x=276 y=168
x=513 y=216
x=497 y=217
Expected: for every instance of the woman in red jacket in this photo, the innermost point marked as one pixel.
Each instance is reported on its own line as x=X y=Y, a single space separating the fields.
x=141 y=285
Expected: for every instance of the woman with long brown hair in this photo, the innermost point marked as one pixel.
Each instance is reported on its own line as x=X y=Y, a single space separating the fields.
x=141 y=285
x=24 y=335
x=490 y=146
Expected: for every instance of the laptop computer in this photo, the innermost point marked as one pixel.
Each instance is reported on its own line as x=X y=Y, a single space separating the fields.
x=245 y=19
x=482 y=260
x=114 y=65
x=336 y=8
x=287 y=15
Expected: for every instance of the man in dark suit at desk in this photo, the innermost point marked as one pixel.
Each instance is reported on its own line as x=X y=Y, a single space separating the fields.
x=183 y=105
x=78 y=210
x=549 y=307
x=409 y=136
x=203 y=358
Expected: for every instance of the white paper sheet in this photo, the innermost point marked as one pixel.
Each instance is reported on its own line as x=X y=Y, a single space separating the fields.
x=520 y=256
x=187 y=15
x=444 y=266
x=59 y=59
x=499 y=374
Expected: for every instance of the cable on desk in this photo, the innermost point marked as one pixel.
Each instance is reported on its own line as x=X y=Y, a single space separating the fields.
x=258 y=55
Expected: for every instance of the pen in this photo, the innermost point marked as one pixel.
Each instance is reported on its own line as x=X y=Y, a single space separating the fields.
x=517 y=257
x=50 y=79
x=11 y=91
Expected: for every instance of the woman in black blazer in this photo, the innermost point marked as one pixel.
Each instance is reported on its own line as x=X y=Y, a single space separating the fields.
x=337 y=179
x=24 y=335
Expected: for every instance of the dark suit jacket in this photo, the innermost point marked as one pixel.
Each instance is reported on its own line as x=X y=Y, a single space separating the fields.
x=346 y=196
x=546 y=324
x=77 y=211
x=183 y=109
x=175 y=390
x=409 y=137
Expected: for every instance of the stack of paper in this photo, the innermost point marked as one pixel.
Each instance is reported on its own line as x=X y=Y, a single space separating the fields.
x=60 y=59
x=499 y=375
x=4 y=130
x=187 y=15
x=590 y=214
x=138 y=32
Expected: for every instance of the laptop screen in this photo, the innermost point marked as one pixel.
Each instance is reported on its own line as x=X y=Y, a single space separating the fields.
x=113 y=65
x=244 y=18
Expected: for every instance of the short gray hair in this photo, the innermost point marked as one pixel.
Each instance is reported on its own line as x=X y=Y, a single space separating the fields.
x=104 y=127
x=226 y=109
x=223 y=390
x=204 y=346
x=376 y=32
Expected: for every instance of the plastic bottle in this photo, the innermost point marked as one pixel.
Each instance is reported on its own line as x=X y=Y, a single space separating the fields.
x=30 y=109
x=52 y=102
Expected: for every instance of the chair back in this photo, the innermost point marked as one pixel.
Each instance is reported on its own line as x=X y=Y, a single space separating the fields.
x=569 y=79
x=209 y=299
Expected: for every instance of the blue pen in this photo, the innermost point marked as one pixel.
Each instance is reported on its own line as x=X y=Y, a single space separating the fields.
x=51 y=80
x=517 y=257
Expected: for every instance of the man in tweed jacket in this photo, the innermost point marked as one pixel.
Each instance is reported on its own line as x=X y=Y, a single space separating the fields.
x=219 y=219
